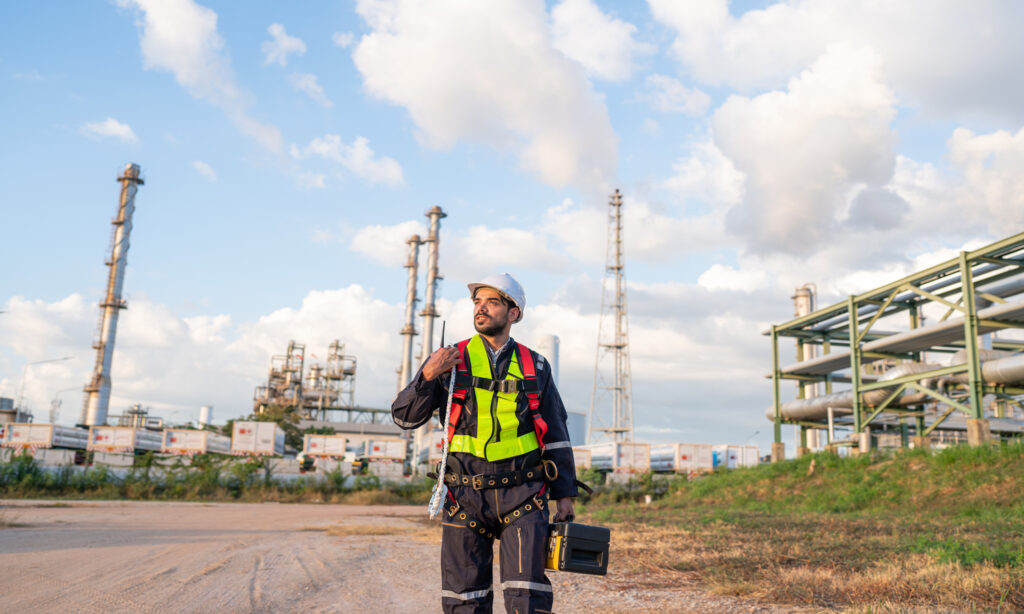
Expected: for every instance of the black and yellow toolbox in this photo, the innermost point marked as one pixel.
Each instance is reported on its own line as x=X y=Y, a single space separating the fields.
x=578 y=548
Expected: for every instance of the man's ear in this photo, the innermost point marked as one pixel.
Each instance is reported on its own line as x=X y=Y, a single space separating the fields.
x=519 y=314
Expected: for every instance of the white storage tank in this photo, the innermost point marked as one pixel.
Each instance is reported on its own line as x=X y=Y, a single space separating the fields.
x=257 y=438
x=123 y=439
x=205 y=415
x=547 y=346
x=332 y=446
x=681 y=457
x=191 y=441
x=32 y=435
x=576 y=424
x=621 y=457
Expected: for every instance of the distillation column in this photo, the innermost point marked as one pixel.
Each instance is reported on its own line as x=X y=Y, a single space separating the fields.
x=409 y=330
x=97 y=391
x=429 y=312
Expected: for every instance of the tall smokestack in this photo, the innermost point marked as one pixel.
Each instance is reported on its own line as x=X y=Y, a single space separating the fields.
x=429 y=310
x=409 y=330
x=97 y=391
x=420 y=437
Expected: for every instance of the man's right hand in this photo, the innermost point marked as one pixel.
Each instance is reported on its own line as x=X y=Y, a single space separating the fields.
x=441 y=361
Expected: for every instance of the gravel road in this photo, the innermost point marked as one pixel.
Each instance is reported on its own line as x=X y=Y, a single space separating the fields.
x=131 y=556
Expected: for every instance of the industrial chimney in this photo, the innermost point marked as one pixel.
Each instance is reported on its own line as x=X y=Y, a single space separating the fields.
x=97 y=391
x=409 y=330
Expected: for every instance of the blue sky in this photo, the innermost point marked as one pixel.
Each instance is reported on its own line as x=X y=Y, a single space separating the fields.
x=289 y=150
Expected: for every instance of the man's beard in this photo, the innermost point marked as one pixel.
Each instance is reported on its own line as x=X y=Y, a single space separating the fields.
x=489 y=326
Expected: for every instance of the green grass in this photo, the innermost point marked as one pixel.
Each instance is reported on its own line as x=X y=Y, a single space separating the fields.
x=885 y=532
x=205 y=478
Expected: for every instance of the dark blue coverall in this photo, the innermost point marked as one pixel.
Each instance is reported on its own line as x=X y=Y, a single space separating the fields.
x=466 y=556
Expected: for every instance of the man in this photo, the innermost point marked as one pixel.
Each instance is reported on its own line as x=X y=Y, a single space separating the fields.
x=509 y=451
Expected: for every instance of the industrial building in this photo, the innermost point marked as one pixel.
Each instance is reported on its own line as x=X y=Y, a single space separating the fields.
x=934 y=355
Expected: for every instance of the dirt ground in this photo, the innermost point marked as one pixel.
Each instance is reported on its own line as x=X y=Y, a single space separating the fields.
x=131 y=556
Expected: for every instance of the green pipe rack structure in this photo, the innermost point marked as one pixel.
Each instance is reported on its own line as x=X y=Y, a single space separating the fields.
x=971 y=291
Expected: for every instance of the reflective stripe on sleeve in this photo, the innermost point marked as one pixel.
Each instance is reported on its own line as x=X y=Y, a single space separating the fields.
x=469 y=595
x=532 y=586
x=556 y=445
x=404 y=424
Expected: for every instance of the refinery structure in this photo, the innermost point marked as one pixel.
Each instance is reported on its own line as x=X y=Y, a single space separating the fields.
x=932 y=358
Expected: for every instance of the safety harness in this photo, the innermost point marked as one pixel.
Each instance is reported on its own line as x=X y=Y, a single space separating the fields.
x=522 y=377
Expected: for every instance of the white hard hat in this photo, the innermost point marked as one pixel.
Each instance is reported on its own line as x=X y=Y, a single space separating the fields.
x=507 y=286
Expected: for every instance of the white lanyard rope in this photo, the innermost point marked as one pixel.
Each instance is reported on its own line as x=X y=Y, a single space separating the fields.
x=440 y=490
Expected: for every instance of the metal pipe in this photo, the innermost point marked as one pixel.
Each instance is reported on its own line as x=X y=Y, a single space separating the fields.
x=409 y=330
x=97 y=399
x=816 y=408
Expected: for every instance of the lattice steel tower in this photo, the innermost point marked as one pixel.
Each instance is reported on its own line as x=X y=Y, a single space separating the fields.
x=611 y=403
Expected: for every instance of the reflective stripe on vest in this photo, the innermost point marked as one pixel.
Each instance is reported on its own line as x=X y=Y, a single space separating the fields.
x=493 y=442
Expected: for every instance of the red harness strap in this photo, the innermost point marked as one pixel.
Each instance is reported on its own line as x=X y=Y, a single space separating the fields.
x=459 y=396
x=530 y=373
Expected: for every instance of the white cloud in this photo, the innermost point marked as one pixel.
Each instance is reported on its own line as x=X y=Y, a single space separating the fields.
x=309 y=180
x=277 y=50
x=386 y=245
x=343 y=39
x=707 y=176
x=111 y=128
x=205 y=170
x=603 y=45
x=945 y=56
x=488 y=72
x=308 y=84
x=805 y=151
x=992 y=168
x=669 y=94
x=722 y=277
x=358 y=158
x=181 y=37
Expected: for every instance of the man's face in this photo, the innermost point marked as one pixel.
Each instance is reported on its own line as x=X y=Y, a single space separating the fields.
x=490 y=313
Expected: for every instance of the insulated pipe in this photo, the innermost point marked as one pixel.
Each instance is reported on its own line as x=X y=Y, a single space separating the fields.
x=409 y=330
x=841 y=403
x=97 y=391
x=994 y=370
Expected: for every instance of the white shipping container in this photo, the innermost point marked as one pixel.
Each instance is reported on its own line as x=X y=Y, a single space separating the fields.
x=581 y=457
x=751 y=456
x=324 y=445
x=383 y=448
x=431 y=453
x=123 y=439
x=621 y=457
x=257 y=438
x=24 y=435
x=681 y=457
x=728 y=456
x=191 y=441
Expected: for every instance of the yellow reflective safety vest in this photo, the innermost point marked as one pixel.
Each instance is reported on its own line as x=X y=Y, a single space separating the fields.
x=500 y=411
